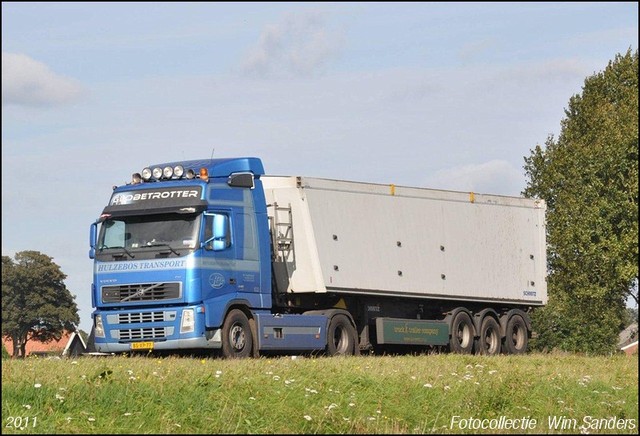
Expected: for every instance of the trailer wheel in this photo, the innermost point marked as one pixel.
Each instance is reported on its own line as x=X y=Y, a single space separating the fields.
x=517 y=337
x=341 y=336
x=489 y=342
x=237 y=340
x=461 y=334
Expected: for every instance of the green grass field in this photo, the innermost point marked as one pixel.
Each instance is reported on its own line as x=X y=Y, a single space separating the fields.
x=438 y=393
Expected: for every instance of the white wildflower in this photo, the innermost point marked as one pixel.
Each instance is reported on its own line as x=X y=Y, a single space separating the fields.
x=427 y=385
x=37 y=385
x=307 y=417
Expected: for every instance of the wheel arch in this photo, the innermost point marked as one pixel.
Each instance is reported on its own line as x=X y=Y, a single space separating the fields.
x=452 y=314
x=504 y=319
x=330 y=313
x=479 y=317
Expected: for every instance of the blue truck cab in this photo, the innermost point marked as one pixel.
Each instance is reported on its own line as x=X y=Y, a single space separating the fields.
x=175 y=251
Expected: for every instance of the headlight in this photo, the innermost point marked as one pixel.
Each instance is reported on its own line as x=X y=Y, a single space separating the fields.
x=99 y=328
x=188 y=323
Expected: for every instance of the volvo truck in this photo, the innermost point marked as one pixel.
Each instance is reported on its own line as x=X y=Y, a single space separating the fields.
x=214 y=254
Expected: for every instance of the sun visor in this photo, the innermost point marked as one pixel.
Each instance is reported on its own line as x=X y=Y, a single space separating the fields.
x=153 y=201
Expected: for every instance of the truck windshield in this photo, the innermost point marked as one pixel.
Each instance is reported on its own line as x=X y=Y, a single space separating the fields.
x=165 y=232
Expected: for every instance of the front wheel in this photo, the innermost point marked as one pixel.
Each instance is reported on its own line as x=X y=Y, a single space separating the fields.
x=341 y=337
x=237 y=340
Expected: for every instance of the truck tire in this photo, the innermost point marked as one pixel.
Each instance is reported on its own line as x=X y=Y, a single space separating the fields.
x=341 y=337
x=516 y=336
x=461 y=340
x=237 y=340
x=489 y=342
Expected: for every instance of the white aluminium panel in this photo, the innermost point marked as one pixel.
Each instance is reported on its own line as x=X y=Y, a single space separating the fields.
x=389 y=240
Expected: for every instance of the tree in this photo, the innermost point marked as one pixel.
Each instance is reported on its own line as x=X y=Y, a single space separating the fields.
x=36 y=305
x=589 y=179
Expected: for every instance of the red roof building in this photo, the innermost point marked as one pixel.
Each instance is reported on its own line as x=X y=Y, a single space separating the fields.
x=70 y=344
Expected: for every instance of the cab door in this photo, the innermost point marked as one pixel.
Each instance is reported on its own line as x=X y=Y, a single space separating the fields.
x=219 y=262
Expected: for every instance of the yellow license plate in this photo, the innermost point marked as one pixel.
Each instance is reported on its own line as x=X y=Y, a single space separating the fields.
x=142 y=345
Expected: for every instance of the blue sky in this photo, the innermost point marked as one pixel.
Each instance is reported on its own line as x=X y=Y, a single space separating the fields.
x=442 y=95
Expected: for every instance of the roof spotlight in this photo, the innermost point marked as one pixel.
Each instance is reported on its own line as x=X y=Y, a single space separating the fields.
x=136 y=178
x=190 y=174
x=178 y=171
x=167 y=172
x=157 y=173
x=146 y=174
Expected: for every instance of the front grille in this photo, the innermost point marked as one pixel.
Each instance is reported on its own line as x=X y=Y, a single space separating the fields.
x=149 y=333
x=141 y=292
x=133 y=318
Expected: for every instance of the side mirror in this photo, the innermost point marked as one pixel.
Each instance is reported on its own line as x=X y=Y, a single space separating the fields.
x=241 y=180
x=93 y=233
x=220 y=232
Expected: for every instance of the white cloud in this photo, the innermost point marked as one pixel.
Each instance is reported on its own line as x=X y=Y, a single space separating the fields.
x=27 y=82
x=300 y=45
x=493 y=177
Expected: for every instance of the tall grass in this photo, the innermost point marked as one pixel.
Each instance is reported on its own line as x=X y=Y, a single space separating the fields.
x=382 y=394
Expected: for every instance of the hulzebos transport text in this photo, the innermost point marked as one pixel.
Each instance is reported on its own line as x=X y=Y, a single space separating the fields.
x=139 y=266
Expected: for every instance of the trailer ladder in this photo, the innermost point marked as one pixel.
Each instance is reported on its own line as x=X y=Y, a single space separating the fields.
x=282 y=234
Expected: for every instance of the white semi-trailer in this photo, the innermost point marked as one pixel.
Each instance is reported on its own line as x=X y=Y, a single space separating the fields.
x=244 y=262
